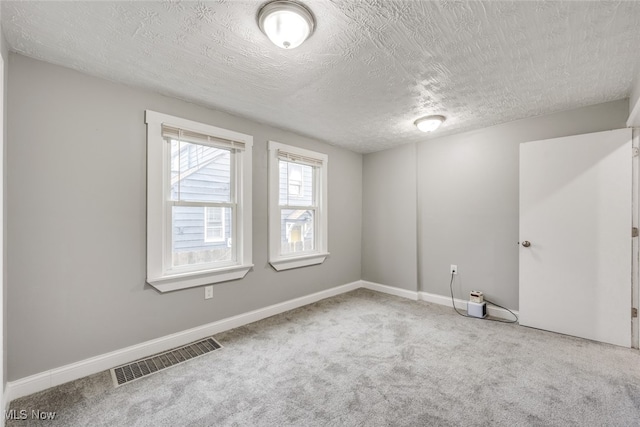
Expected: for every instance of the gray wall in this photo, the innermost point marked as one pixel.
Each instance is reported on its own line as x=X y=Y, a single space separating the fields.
x=389 y=218
x=76 y=221
x=467 y=200
x=634 y=99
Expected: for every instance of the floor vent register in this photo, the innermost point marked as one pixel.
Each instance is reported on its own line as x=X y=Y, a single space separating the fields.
x=141 y=368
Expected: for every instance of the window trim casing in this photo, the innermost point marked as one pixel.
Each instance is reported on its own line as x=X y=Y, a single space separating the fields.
x=277 y=261
x=157 y=237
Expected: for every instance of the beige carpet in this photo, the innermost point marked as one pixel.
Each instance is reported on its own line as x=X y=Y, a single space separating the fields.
x=368 y=359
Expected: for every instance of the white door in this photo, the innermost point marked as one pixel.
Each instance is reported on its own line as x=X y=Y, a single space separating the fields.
x=575 y=211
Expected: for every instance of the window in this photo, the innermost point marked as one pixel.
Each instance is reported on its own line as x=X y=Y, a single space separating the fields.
x=215 y=225
x=198 y=203
x=294 y=177
x=297 y=206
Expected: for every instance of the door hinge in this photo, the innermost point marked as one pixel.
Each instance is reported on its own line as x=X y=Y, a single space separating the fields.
x=636 y=151
x=634 y=231
x=634 y=312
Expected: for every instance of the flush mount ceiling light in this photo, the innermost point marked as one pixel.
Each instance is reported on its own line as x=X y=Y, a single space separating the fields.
x=286 y=23
x=429 y=123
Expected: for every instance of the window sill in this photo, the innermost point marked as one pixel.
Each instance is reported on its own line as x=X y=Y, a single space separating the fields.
x=199 y=278
x=281 y=264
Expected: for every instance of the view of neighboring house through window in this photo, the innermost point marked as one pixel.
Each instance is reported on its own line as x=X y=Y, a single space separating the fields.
x=214 y=227
x=295 y=173
x=203 y=203
x=197 y=212
x=297 y=206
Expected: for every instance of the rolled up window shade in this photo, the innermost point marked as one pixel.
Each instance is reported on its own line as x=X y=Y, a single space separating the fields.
x=297 y=158
x=173 y=132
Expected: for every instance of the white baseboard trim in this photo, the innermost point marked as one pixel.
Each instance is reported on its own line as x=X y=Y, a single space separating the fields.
x=93 y=365
x=497 y=312
x=461 y=305
x=390 y=290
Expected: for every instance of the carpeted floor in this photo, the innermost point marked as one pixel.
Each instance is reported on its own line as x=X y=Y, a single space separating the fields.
x=368 y=359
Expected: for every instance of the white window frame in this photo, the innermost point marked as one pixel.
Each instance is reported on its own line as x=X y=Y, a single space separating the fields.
x=223 y=225
x=160 y=273
x=289 y=261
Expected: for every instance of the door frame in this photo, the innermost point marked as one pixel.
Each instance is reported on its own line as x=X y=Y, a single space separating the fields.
x=635 y=250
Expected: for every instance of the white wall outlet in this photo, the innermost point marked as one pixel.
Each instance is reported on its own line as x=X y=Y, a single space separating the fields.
x=454 y=269
x=208 y=292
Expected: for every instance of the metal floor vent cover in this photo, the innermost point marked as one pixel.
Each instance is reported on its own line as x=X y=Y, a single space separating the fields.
x=141 y=368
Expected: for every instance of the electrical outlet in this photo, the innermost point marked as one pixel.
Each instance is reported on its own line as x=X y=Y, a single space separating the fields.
x=454 y=269
x=208 y=292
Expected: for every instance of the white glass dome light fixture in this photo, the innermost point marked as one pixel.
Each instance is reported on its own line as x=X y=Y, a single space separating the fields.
x=429 y=123
x=286 y=23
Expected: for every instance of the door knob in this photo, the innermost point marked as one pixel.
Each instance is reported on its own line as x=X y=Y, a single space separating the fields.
x=526 y=243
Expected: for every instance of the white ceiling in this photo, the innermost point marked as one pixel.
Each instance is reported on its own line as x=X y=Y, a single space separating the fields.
x=370 y=69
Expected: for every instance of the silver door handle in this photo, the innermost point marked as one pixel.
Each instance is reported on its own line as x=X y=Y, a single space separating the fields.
x=526 y=243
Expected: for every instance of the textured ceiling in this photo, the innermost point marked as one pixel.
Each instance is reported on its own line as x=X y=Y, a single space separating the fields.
x=370 y=69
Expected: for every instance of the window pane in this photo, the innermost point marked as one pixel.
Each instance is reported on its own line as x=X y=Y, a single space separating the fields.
x=201 y=235
x=214 y=227
x=296 y=231
x=200 y=173
x=296 y=184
